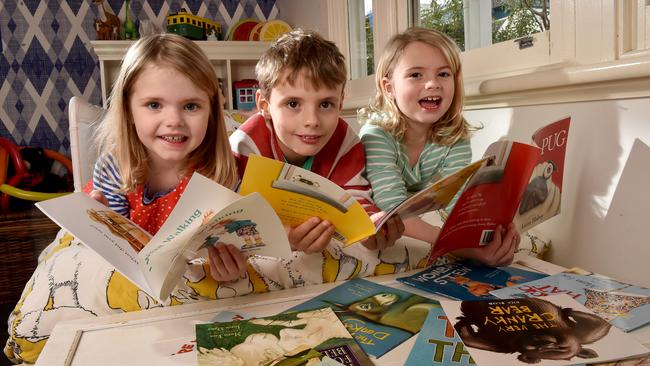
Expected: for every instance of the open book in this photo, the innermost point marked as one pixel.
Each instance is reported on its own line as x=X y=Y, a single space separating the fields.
x=523 y=186
x=297 y=194
x=206 y=214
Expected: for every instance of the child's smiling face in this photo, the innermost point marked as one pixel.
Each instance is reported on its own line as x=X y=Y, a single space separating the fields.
x=170 y=114
x=422 y=84
x=304 y=118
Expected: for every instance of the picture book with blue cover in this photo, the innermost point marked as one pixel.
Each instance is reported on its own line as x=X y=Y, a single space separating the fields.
x=463 y=280
x=623 y=305
x=377 y=316
x=438 y=343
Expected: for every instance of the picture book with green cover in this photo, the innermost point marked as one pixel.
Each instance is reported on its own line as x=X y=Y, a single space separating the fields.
x=297 y=338
x=378 y=317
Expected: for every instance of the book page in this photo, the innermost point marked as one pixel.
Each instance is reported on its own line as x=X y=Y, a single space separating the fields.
x=436 y=196
x=297 y=194
x=209 y=214
x=109 y=234
x=490 y=198
x=201 y=196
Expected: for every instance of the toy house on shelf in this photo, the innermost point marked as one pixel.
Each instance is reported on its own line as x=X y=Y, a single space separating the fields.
x=245 y=94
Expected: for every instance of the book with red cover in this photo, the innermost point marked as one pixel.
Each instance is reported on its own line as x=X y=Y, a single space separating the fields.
x=523 y=184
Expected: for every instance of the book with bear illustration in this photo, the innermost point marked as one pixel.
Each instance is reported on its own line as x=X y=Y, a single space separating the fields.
x=378 y=317
x=298 y=194
x=299 y=338
x=554 y=330
x=464 y=280
x=206 y=214
x=624 y=305
x=523 y=185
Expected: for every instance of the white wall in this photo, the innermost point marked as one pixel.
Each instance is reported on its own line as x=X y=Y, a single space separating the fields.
x=598 y=230
x=310 y=14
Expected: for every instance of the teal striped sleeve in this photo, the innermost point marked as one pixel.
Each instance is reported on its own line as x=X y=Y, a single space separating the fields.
x=382 y=154
x=458 y=157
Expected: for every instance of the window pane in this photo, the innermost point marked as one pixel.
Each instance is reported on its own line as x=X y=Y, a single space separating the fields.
x=361 y=41
x=479 y=23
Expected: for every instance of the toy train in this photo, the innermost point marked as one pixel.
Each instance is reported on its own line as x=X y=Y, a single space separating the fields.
x=192 y=26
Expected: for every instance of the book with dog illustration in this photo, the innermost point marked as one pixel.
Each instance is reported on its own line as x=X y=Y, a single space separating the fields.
x=438 y=343
x=300 y=338
x=463 y=280
x=378 y=317
x=298 y=194
x=623 y=305
x=206 y=214
x=524 y=186
x=553 y=330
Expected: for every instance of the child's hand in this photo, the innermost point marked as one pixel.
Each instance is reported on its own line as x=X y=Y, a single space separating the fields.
x=496 y=253
x=387 y=235
x=312 y=236
x=227 y=262
x=99 y=197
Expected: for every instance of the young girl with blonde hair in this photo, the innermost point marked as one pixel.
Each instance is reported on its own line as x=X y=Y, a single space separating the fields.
x=164 y=122
x=417 y=133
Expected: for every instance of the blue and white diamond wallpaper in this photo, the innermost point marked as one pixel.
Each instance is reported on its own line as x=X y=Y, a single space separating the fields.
x=47 y=58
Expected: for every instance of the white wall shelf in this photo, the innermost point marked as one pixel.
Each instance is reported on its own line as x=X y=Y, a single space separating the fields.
x=232 y=61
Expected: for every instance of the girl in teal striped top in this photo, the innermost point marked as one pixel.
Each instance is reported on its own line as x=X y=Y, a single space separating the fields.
x=415 y=131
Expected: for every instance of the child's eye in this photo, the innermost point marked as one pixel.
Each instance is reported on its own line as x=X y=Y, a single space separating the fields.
x=153 y=105
x=444 y=74
x=191 y=107
x=326 y=105
x=415 y=75
x=292 y=104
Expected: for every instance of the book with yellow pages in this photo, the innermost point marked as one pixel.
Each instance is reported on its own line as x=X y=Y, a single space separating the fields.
x=297 y=194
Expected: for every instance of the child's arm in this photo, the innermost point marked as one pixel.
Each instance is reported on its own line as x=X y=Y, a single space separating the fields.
x=417 y=228
x=383 y=172
x=497 y=253
x=107 y=184
x=227 y=262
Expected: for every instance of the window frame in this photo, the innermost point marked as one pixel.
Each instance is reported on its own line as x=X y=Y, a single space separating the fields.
x=594 y=50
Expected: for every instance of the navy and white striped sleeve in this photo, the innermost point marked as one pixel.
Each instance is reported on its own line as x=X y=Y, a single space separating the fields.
x=107 y=179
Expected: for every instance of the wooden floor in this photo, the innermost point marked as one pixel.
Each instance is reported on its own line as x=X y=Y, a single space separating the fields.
x=23 y=234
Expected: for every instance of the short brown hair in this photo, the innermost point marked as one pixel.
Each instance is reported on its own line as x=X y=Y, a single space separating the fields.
x=301 y=51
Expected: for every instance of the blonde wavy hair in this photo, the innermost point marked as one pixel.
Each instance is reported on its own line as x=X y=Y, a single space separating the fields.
x=301 y=52
x=451 y=127
x=117 y=135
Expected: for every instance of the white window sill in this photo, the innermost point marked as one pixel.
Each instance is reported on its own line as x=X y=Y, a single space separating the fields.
x=628 y=77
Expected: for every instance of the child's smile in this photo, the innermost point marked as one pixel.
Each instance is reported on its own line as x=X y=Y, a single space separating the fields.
x=170 y=114
x=304 y=118
x=422 y=85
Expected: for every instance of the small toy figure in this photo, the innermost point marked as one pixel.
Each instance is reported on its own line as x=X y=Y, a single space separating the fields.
x=107 y=19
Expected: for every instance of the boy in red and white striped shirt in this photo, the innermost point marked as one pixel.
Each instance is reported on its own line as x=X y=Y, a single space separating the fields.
x=301 y=78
